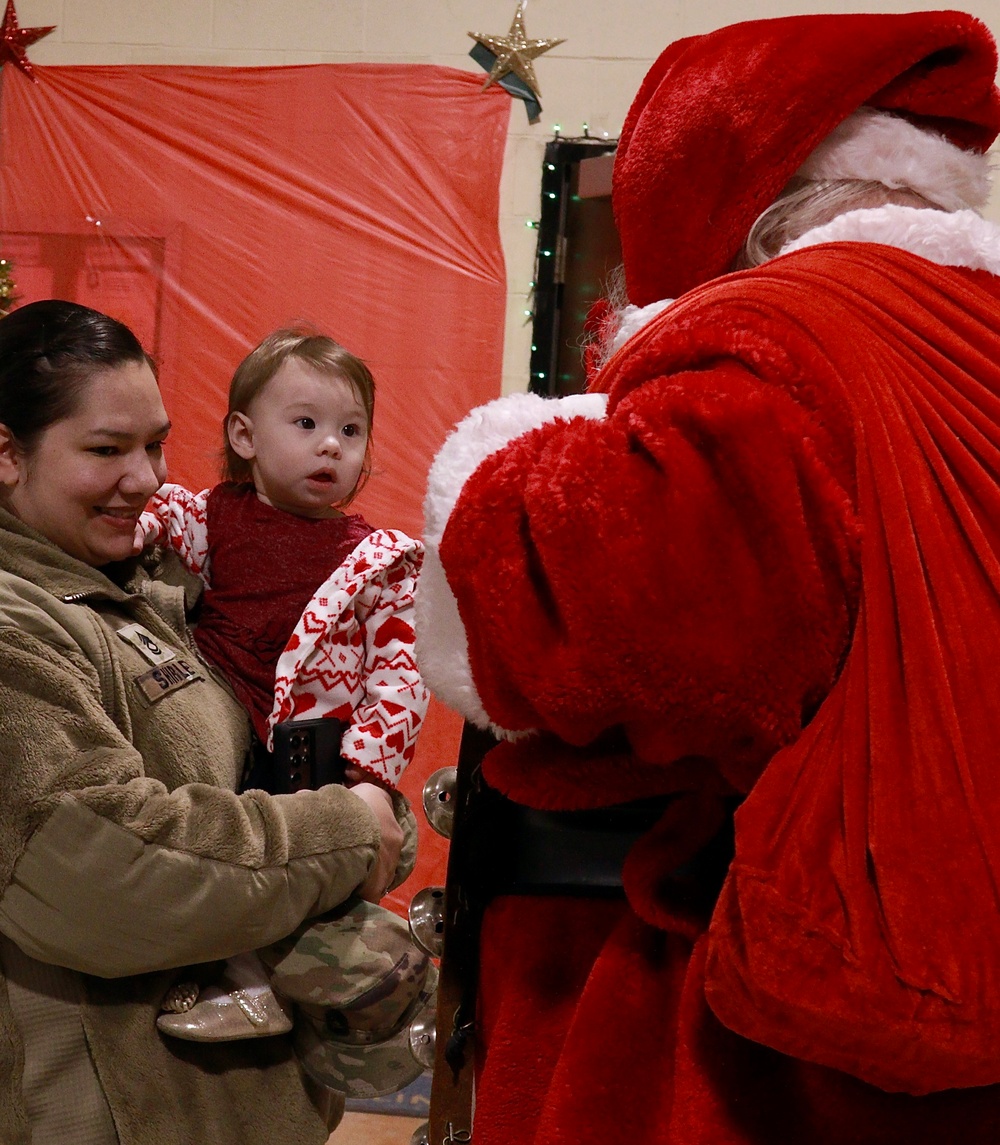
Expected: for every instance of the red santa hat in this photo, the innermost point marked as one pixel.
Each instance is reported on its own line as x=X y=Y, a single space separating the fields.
x=723 y=121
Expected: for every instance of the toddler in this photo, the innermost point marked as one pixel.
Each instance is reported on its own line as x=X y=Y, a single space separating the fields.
x=306 y=611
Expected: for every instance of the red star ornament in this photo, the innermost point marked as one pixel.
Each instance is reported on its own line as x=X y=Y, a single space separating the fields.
x=14 y=39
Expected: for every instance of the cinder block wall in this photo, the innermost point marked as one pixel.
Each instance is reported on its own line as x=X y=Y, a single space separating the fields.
x=590 y=79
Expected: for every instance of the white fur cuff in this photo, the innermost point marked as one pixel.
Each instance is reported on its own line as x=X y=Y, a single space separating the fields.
x=486 y=430
x=442 y=645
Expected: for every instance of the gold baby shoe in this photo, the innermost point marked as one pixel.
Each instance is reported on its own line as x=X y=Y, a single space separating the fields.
x=225 y=1016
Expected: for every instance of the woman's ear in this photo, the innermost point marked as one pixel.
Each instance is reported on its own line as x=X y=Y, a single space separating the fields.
x=11 y=460
x=239 y=427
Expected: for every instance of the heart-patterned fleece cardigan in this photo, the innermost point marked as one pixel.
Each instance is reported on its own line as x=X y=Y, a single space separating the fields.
x=350 y=654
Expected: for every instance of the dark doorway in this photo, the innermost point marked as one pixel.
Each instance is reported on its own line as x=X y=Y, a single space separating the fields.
x=578 y=249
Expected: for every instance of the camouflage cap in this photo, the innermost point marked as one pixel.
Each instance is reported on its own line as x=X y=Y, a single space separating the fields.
x=358 y=981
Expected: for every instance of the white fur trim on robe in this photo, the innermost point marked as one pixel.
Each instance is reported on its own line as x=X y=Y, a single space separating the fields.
x=632 y=319
x=958 y=238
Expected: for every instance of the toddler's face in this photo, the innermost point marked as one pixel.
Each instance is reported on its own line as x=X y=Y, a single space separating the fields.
x=305 y=436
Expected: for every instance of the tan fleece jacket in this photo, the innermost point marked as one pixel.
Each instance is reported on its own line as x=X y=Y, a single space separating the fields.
x=124 y=852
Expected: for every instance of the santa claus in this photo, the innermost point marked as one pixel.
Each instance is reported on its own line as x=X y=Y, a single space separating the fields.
x=760 y=559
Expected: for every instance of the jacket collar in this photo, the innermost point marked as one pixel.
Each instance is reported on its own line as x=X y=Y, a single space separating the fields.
x=27 y=554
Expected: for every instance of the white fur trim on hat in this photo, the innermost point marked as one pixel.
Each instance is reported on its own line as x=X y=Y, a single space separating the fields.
x=441 y=645
x=883 y=148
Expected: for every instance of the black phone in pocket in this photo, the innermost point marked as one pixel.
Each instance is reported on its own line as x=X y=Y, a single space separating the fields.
x=307 y=753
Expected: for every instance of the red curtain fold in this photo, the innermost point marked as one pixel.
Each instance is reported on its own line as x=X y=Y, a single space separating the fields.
x=207 y=206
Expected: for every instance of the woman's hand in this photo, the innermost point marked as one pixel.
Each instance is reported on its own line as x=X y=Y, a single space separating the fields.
x=391 y=843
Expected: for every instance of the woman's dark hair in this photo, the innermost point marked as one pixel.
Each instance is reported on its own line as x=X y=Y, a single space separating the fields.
x=49 y=351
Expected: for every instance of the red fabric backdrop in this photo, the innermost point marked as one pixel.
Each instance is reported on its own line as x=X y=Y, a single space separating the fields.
x=207 y=206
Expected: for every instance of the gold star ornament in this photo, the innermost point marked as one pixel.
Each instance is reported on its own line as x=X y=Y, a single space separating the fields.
x=514 y=52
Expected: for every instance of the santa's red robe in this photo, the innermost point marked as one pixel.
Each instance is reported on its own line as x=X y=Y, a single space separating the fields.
x=771 y=566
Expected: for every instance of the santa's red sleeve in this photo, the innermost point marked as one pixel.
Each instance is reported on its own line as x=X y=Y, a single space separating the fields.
x=681 y=564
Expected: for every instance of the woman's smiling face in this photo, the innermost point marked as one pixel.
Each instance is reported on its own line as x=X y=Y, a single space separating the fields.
x=86 y=479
